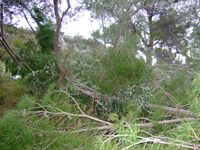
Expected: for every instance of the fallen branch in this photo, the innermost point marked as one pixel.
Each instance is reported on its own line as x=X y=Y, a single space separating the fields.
x=47 y=113
x=149 y=125
x=159 y=141
x=174 y=110
x=83 y=114
x=88 y=93
x=90 y=129
x=73 y=100
x=152 y=106
x=144 y=140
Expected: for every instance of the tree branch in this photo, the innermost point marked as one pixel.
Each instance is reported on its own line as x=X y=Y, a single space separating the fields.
x=11 y=55
x=28 y=22
x=149 y=125
x=2 y=19
x=66 y=11
x=56 y=10
x=174 y=110
x=67 y=55
x=152 y=106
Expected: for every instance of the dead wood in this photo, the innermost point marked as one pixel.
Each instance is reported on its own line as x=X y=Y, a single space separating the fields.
x=173 y=111
x=149 y=125
x=89 y=92
x=92 y=106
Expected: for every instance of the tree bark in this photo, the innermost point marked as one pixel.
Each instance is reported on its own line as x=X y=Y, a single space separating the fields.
x=2 y=19
x=63 y=70
x=61 y=81
x=11 y=55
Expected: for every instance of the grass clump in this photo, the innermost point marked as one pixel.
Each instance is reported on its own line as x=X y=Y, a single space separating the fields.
x=29 y=126
x=10 y=92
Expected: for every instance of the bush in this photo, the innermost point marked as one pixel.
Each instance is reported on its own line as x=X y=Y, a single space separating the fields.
x=123 y=69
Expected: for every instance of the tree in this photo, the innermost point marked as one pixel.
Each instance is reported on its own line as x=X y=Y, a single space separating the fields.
x=156 y=23
x=192 y=52
x=59 y=20
x=19 y=60
x=40 y=66
x=11 y=8
x=45 y=34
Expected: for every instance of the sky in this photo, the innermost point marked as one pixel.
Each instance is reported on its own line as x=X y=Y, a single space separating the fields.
x=83 y=25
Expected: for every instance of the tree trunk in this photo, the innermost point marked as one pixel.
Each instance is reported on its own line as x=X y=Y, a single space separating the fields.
x=2 y=19
x=63 y=70
x=59 y=19
x=151 y=40
x=61 y=81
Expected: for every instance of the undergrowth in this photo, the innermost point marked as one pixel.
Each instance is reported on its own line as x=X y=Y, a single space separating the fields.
x=26 y=128
x=10 y=92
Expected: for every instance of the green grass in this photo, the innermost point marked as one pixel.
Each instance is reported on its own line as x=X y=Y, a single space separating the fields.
x=21 y=128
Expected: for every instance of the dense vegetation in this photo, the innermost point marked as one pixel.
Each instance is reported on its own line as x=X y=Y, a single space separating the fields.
x=133 y=85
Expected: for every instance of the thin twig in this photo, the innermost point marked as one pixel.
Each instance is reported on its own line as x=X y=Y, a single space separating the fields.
x=73 y=100
x=49 y=144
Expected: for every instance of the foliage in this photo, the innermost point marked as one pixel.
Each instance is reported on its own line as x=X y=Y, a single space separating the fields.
x=42 y=131
x=20 y=8
x=14 y=36
x=123 y=137
x=129 y=136
x=171 y=84
x=45 y=33
x=81 y=44
x=194 y=94
x=155 y=23
x=128 y=86
x=86 y=66
x=44 y=68
x=114 y=72
x=45 y=36
x=130 y=99
x=122 y=68
x=110 y=71
x=41 y=59
x=14 y=122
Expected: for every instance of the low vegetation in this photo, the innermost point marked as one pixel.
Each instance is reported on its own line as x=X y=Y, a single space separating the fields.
x=116 y=90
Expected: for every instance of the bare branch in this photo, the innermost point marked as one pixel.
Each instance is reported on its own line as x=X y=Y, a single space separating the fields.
x=67 y=55
x=149 y=125
x=2 y=19
x=70 y=114
x=7 y=48
x=28 y=22
x=66 y=11
x=73 y=100
x=90 y=129
x=92 y=106
x=174 y=110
